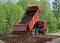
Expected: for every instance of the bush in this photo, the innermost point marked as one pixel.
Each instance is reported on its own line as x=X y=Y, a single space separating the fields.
x=10 y=14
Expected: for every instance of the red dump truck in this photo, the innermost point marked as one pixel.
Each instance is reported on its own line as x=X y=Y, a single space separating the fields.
x=30 y=21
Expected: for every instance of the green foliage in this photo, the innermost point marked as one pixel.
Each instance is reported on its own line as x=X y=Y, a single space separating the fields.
x=56 y=10
x=10 y=13
x=48 y=15
x=24 y=3
x=2 y=19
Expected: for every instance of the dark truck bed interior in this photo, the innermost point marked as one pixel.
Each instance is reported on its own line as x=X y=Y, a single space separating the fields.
x=28 y=15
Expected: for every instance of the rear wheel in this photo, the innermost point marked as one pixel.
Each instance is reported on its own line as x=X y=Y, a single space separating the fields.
x=43 y=32
x=35 y=31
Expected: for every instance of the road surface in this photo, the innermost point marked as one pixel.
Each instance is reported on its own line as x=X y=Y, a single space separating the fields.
x=57 y=33
x=27 y=38
x=57 y=40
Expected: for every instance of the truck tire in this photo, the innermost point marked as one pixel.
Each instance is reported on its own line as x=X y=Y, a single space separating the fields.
x=35 y=31
x=43 y=32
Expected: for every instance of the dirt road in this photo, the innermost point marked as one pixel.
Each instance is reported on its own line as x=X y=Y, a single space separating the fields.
x=52 y=38
x=57 y=40
x=28 y=39
x=57 y=33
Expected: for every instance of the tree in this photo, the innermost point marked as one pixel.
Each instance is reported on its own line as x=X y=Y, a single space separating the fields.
x=24 y=3
x=2 y=19
x=47 y=14
x=14 y=13
x=56 y=10
x=10 y=13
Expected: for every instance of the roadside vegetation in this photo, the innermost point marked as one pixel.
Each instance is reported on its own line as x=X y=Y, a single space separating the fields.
x=11 y=12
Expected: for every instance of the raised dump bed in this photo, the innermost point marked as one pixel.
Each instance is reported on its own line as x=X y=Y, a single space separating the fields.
x=28 y=16
x=28 y=20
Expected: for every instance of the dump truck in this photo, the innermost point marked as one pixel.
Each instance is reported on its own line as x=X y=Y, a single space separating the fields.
x=30 y=22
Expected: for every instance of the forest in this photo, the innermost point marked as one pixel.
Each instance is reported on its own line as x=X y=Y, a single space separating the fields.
x=11 y=12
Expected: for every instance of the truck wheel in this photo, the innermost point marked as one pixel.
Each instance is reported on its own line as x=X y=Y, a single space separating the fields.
x=43 y=32
x=35 y=31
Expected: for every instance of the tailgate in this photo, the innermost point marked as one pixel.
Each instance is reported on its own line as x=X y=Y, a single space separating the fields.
x=20 y=27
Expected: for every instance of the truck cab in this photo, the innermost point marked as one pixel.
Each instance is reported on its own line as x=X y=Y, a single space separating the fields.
x=39 y=27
